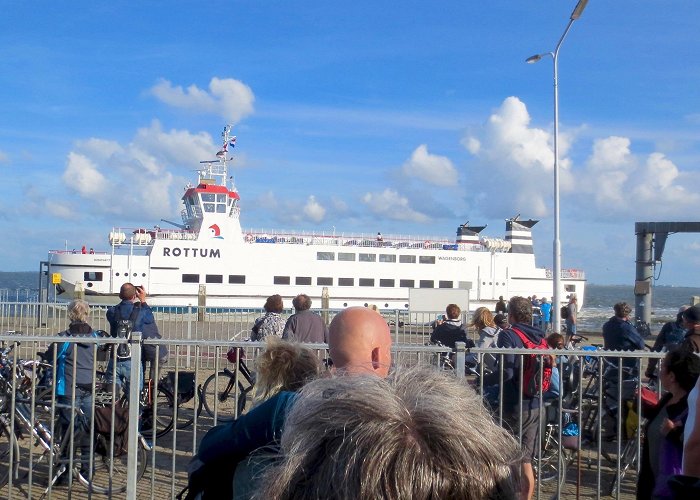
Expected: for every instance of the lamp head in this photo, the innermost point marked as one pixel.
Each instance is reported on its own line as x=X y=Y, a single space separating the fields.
x=578 y=10
x=533 y=59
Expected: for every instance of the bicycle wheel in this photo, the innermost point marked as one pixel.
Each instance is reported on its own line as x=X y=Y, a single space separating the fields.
x=223 y=393
x=628 y=460
x=8 y=446
x=164 y=415
x=102 y=483
x=186 y=409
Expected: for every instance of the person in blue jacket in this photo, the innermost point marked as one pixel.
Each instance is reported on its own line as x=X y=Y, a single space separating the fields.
x=619 y=334
x=133 y=297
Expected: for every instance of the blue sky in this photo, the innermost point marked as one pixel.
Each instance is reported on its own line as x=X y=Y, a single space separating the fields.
x=399 y=117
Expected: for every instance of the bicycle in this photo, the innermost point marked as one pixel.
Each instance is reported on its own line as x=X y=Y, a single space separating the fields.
x=105 y=473
x=228 y=390
x=167 y=403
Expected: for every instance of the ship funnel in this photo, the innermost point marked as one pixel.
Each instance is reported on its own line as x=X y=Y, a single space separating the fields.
x=469 y=234
x=519 y=233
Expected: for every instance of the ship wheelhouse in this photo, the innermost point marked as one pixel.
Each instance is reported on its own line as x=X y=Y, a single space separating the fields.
x=208 y=199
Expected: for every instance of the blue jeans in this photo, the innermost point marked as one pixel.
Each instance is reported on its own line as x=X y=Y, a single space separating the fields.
x=123 y=374
x=570 y=328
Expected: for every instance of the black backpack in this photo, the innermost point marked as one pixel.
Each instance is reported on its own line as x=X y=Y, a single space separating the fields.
x=564 y=312
x=123 y=330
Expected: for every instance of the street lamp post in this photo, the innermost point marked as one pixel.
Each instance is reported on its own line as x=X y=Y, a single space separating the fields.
x=556 y=302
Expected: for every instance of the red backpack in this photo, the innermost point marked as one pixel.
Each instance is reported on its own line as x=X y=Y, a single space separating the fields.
x=534 y=367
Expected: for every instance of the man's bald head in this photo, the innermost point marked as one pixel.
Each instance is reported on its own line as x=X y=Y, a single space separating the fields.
x=359 y=341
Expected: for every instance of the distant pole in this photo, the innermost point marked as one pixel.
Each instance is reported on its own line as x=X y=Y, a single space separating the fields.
x=556 y=282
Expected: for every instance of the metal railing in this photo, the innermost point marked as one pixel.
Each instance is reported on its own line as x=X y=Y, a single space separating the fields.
x=590 y=466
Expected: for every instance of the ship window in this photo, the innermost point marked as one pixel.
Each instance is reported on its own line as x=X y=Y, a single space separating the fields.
x=209 y=207
x=386 y=283
x=302 y=280
x=426 y=259
x=324 y=281
x=190 y=278
x=208 y=197
x=346 y=281
x=445 y=284
x=346 y=256
x=237 y=279
x=407 y=283
x=92 y=276
x=570 y=288
x=466 y=285
x=407 y=259
x=385 y=257
x=221 y=198
x=214 y=278
x=325 y=255
x=368 y=257
x=281 y=280
x=427 y=284
x=366 y=282
x=221 y=208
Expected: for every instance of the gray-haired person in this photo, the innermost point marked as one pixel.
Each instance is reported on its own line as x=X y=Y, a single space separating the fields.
x=419 y=434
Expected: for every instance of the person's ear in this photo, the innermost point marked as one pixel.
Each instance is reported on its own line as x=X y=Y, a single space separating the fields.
x=375 y=358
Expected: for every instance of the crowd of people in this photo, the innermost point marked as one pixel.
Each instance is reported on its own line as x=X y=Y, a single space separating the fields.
x=403 y=432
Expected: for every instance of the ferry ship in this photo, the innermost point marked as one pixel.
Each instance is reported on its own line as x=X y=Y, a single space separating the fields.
x=209 y=255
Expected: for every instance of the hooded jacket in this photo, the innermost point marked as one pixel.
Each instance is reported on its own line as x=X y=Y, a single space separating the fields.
x=70 y=354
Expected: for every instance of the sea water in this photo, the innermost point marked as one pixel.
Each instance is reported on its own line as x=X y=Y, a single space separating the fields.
x=597 y=307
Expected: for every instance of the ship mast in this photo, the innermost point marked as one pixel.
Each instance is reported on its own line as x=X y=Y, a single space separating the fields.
x=216 y=171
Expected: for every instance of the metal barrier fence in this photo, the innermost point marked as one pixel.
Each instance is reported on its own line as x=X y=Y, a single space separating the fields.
x=192 y=323
x=582 y=463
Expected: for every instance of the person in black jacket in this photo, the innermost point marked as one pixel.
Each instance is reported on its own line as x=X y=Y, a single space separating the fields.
x=671 y=334
x=450 y=331
x=520 y=317
x=662 y=450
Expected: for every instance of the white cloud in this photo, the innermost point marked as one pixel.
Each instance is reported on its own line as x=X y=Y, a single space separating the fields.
x=392 y=205
x=226 y=97
x=433 y=169
x=134 y=180
x=314 y=210
x=83 y=176
x=515 y=162
x=623 y=183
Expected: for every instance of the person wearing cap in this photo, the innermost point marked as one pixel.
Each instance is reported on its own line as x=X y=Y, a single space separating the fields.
x=691 y=322
x=671 y=334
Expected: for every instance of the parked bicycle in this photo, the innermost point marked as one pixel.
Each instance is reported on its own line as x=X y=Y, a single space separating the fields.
x=103 y=473
x=226 y=393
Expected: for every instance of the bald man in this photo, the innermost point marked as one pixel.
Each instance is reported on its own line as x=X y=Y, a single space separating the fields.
x=359 y=342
